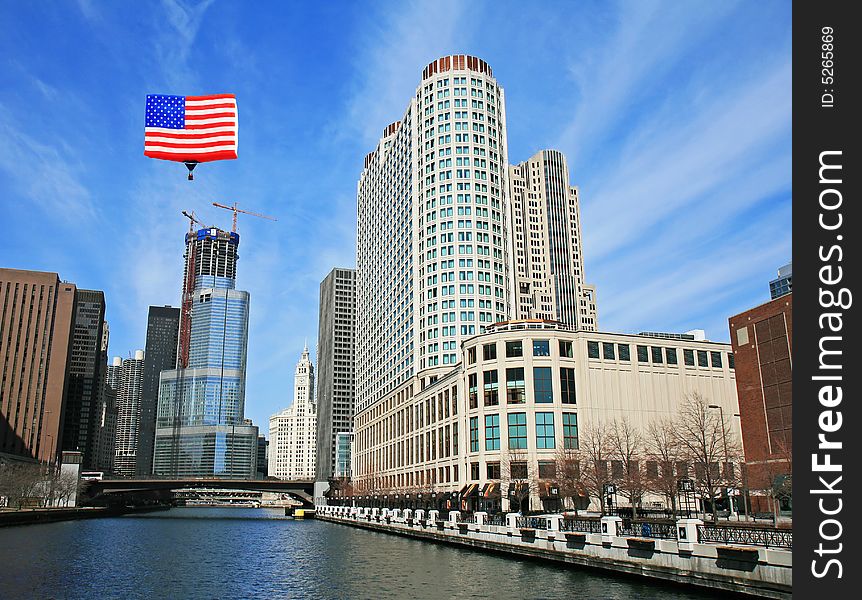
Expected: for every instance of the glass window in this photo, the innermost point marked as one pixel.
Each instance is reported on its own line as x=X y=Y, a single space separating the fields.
x=471 y=356
x=702 y=358
x=570 y=430
x=623 y=351
x=474 y=434
x=643 y=354
x=542 y=390
x=492 y=432
x=489 y=352
x=567 y=385
x=514 y=349
x=608 y=351
x=545 y=430
x=593 y=349
x=566 y=349
x=547 y=469
x=517 y=431
x=518 y=470
x=473 y=389
x=492 y=384
x=656 y=354
x=670 y=355
x=474 y=471
x=515 y=388
x=715 y=357
x=493 y=470
x=541 y=348
x=731 y=361
x=688 y=357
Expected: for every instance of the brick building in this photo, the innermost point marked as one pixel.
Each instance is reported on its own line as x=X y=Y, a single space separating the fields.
x=762 y=346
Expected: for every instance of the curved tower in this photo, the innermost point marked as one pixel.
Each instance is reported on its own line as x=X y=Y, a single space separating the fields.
x=431 y=250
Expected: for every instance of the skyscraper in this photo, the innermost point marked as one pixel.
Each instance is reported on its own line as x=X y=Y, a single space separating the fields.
x=36 y=321
x=336 y=371
x=105 y=432
x=548 y=265
x=431 y=251
x=292 y=431
x=84 y=376
x=129 y=389
x=200 y=430
x=783 y=284
x=161 y=354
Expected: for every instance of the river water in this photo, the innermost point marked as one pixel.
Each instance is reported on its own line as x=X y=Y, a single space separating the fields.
x=257 y=553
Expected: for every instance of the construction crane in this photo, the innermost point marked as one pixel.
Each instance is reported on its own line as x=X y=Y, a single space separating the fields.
x=192 y=220
x=239 y=210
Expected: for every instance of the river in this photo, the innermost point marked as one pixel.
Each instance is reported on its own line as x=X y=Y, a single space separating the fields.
x=257 y=553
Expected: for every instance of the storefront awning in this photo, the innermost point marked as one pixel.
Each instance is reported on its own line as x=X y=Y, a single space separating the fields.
x=490 y=490
x=471 y=489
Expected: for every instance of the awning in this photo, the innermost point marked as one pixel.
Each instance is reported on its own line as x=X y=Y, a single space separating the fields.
x=490 y=490
x=468 y=490
x=548 y=489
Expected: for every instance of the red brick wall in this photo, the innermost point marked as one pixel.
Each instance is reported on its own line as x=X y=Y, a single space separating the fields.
x=763 y=383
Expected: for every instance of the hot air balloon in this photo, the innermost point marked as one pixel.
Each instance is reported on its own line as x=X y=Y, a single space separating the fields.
x=191 y=129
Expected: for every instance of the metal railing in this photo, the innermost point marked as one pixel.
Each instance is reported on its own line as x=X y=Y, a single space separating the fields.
x=775 y=538
x=532 y=523
x=465 y=518
x=581 y=525
x=647 y=529
x=498 y=519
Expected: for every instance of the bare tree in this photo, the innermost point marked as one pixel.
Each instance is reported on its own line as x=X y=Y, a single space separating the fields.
x=708 y=444
x=665 y=452
x=776 y=477
x=595 y=450
x=23 y=484
x=569 y=477
x=518 y=473
x=627 y=446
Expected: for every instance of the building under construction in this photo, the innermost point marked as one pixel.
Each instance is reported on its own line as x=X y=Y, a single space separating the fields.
x=200 y=428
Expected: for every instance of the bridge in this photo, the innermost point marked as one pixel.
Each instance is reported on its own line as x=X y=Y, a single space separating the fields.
x=302 y=491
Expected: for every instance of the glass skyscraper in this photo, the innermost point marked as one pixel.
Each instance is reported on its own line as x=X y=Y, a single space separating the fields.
x=200 y=429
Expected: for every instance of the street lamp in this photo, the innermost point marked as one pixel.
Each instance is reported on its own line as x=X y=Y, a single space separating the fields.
x=724 y=438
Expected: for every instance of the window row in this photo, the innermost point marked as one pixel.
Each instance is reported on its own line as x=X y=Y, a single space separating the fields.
x=517 y=431
x=515 y=349
x=516 y=391
x=657 y=355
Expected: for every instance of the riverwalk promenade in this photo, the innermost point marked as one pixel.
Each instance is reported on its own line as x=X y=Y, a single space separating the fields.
x=754 y=562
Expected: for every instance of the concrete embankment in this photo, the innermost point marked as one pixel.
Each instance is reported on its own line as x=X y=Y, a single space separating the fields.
x=746 y=570
x=53 y=515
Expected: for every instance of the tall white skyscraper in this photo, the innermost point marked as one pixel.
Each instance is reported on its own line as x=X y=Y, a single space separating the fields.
x=128 y=411
x=548 y=265
x=293 y=431
x=431 y=250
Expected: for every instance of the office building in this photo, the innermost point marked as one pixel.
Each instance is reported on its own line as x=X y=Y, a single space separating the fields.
x=548 y=258
x=763 y=348
x=783 y=284
x=37 y=314
x=129 y=388
x=524 y=391
x=293 y=431
x=200 y=428
x=336 y=382
x=105 y=432
x=262 y=457
x=343 y=455
x=84 y=377
x=160 y=354
x=431 y=247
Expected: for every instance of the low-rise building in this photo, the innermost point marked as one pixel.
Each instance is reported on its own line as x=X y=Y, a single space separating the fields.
x=525 y=390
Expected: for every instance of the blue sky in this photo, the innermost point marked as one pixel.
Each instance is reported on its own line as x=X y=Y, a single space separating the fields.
x=675 y=118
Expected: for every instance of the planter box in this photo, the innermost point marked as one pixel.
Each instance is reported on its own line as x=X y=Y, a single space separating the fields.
x=441 y=525
x=528 y=534
x=741 y=553
x=641 y=543
x=409 y=521
x=577 y=538
x=462 y=527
